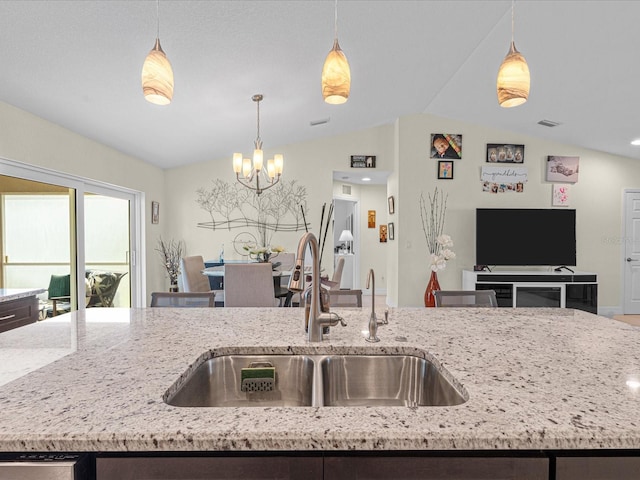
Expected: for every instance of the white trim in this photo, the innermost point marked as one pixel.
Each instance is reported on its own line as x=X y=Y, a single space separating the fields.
x=82 y=185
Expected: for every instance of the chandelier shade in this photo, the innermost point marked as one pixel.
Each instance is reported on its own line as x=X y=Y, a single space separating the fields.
x=157 y=77
x=336 y=76
x=514 y=80
x=247 y=170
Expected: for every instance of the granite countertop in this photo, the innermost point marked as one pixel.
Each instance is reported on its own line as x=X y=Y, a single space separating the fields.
x=7 y=294
x=536 y=379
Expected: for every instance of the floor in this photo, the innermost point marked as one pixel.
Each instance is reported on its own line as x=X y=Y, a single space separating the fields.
x=630 y=319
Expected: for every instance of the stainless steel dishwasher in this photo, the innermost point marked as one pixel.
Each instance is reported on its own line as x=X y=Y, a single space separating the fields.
x=55 y=466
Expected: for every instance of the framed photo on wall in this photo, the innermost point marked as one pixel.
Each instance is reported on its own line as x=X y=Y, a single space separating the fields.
x=446 y=145
x=391 y=231
x=363 y=161
x=445 y=170
x=383 y=233
x=505 y=153
x=155 y=212
x=392 y=205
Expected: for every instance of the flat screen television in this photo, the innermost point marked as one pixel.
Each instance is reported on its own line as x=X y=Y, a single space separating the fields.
x=525 y=236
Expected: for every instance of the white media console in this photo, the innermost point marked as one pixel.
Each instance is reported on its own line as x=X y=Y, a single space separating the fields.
x=537 y=289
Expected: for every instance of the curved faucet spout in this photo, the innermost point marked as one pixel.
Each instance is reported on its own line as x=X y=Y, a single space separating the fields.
x=296 y=283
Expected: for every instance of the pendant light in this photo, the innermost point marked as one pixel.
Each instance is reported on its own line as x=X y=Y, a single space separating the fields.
x=513 y=77
x=336 y=75
x=157 y=75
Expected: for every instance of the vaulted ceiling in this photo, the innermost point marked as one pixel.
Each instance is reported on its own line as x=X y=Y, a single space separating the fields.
x=78 y=64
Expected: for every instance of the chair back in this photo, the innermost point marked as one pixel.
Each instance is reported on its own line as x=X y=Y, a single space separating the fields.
x=193 y=280
x=345 y=298
x=182 y=299
x=337 y=274
x=59 y=286
x=465 y=298
x=248 y=285
x=286 y=261
x=104 y=286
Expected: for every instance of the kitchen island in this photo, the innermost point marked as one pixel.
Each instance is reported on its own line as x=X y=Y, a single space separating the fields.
x=537 y=380
x=18 y=307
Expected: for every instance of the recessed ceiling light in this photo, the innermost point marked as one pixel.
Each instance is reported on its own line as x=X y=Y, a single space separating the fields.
x=366 y=179
x=635 y=142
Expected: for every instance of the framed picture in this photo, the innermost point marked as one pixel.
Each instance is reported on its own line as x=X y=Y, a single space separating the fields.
x=155 y=212
x=562 y=169
x=446 y=145
x=505 y=153
x=363 y=161
x=445 y=170
x=392 y=205
x=560 y=195
x=391 y=230
x=383 y=234
x=371 y=219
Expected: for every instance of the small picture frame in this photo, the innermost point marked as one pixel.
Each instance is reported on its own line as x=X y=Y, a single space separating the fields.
x=371 y=218
x=562 y=169
x=392 y=205
x=445 y=170
x=383 y=233
x=505 y=153
x=363 y=161
x=391 y=230
x=155 y=212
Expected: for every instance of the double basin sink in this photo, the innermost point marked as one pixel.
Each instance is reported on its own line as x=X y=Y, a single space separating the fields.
x=319 y=381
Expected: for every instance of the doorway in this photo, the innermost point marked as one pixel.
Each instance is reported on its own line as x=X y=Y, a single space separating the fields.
x=631 y=252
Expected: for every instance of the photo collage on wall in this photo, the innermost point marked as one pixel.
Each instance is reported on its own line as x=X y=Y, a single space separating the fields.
x=505 y=175
x=445 y=147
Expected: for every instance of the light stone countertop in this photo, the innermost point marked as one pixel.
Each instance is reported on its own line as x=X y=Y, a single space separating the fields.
x=536 y=379
x=7 y=294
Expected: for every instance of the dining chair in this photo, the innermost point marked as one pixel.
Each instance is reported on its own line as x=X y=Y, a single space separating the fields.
x=284 y=262
x=249 y=285
x=183 y=299
x=465 y=298
x=345 y=298
x=193 y=280
x=59 y=295
x=337 y=274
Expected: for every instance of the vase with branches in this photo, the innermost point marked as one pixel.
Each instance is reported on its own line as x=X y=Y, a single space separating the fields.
x=432 y=214
x=171 y=252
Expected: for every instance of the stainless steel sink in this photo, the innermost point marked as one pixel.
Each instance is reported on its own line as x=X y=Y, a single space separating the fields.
x=320 y=380
x=385 y=380
x=217 y=383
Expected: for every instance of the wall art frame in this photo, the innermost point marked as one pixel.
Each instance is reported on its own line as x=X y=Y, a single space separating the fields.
x=505 y=153
x=392 y=205
x=391 y=230
x=446 y=145
x=155 y=212
x=363 y=161
x=445 y=169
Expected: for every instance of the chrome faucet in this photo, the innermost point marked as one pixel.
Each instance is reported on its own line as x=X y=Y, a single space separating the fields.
x=373 y=320
x=317 y=320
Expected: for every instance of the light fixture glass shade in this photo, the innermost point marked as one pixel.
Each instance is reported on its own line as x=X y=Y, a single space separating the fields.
x=258 y=159
x=513 y=79
x=336 y=76
x=345 y=236
x=157 y=77
x=237 y=162
x=278 y=161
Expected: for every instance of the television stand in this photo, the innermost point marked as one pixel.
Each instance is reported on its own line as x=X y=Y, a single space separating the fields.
x=577 y=290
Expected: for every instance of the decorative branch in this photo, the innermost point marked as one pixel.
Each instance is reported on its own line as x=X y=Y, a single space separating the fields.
x=171 y=252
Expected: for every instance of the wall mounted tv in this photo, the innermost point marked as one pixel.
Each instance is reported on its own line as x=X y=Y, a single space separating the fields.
x=524 y=236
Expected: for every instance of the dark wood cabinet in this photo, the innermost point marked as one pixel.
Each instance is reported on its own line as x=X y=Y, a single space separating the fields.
x=232 y=467
x=19 y=312
x=597 y=468
x=409 y=467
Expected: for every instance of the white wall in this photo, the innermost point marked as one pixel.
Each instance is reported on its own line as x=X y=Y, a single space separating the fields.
x=30 y=139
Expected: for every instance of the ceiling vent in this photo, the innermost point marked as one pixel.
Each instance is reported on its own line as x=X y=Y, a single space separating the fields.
x=321 y=121
x=548 y=123
x=346 y=189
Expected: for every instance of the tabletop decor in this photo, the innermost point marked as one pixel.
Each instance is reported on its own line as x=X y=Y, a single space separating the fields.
x=432 y=215
x=263 y=254
x=171 y=252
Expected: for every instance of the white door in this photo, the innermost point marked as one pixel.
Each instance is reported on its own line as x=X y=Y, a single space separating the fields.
x=632 y=252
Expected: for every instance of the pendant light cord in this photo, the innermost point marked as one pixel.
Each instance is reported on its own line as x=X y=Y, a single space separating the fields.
x=513 y=2
x=158 y=15
x=335 y=20
x=258 y=139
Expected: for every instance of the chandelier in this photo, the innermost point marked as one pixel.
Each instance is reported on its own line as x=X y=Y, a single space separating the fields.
x=247 y=170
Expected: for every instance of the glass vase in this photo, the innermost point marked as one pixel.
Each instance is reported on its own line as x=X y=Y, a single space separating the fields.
x=432 y=286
